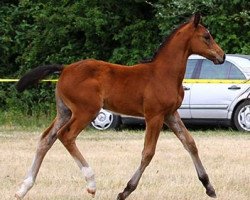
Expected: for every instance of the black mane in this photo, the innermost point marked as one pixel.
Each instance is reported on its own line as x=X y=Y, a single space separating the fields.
x=165 y=42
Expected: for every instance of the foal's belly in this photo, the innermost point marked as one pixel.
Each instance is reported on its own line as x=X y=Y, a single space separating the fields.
x=124 y=104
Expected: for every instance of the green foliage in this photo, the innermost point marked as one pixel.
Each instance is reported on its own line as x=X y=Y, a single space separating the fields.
x=36 y=104
x=40 y=32
x=228 y=21
x=35 y=33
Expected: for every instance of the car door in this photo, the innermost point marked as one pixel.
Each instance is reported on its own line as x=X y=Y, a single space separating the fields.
x=184 y=110
x=216 y=88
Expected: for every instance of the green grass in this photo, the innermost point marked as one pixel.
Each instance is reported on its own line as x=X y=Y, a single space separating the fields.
x=18 y=120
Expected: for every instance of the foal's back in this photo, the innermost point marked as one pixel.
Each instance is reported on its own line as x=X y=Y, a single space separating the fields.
x=120 y=88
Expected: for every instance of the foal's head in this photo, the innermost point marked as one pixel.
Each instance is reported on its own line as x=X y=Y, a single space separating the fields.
x=202 y=42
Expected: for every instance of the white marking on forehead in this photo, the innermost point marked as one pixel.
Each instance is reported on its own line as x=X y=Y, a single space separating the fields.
x=206 y=29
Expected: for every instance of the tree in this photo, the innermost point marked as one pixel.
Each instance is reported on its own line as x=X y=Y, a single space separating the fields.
x=40 y=32
x=228 y=21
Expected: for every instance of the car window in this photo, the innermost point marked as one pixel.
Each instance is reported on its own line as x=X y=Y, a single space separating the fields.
x=235 y=73
x=191 y=63
x=224 y=71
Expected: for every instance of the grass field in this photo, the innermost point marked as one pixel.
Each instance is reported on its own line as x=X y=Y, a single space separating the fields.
x=114 y=156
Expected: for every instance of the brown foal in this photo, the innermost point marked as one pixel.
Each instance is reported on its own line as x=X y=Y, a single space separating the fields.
x=152 y=90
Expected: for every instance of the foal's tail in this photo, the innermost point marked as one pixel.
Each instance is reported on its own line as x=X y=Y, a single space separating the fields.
x=35 y=75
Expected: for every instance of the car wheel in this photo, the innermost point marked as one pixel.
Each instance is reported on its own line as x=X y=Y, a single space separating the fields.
x=241 y=117
x=106 y=120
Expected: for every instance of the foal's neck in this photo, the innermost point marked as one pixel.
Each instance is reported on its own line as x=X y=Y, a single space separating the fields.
x=172 y=59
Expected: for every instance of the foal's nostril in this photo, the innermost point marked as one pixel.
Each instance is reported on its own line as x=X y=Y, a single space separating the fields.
x=221 y=60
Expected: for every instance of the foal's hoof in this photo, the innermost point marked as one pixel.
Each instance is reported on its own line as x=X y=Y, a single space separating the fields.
x=91 y=192
x=17 y=197
x=211 y=193
x=120 y=197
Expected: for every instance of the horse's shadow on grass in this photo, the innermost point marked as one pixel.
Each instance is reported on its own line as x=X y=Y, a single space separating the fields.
x=190 y=127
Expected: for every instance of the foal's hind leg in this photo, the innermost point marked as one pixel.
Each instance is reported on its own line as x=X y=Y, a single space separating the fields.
x=80 y=120
x=47 y=139
x=176 y=125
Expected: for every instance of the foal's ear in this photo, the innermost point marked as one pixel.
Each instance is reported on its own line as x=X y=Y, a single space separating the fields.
x=196 y=19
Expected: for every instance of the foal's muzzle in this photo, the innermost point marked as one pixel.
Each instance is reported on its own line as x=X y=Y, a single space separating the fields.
x=220 y=59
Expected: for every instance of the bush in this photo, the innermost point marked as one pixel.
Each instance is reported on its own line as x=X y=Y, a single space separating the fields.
x=46 y=32
x=33 y=107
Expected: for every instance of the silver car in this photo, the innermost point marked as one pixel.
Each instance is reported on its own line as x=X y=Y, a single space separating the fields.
x=213 y=94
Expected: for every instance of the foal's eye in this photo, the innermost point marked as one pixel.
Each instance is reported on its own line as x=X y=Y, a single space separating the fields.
x=207 y=37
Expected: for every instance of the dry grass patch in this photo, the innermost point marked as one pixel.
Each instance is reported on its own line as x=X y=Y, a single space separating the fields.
x=114 y=156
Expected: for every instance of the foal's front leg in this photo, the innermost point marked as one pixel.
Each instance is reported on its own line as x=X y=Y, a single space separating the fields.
x=175 y=123
x=154 y=126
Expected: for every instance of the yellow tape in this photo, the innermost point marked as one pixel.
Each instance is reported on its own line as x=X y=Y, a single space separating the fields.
x=216 y=81
x=212 y=81
x=15 y=80
x=50 y=80
x=8 y=80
